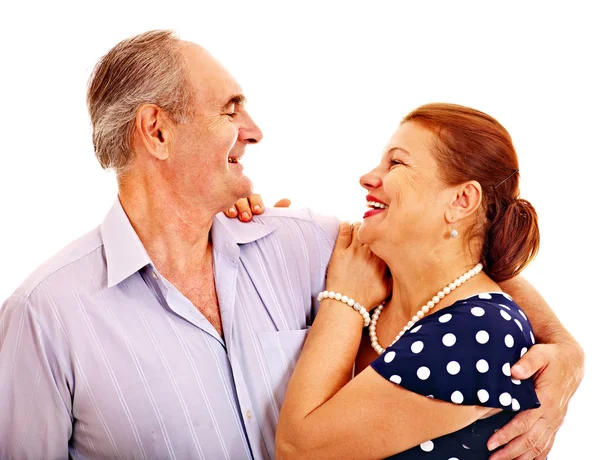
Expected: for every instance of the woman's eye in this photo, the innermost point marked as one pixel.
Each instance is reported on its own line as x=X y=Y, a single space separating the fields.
x=395 y=162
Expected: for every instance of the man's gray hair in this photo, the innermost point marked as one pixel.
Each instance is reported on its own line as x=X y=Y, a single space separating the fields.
x=146 y=69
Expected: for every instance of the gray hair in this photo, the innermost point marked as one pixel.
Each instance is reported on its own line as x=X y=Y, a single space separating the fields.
x=145 y=69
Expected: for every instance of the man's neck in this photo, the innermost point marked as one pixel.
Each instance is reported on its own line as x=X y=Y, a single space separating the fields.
x=175 y=234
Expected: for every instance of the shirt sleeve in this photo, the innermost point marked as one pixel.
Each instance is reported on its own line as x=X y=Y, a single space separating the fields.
x=35 y=402
x=463 y=354
x=328 y=230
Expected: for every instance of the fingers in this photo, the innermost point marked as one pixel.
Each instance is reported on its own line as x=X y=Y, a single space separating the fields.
x=283 y=203
x=243 y=209
x=355 y=229
x=535 y=359
x=520 y=435
x=231 y=212
x=344 y=236
x=256 y=204
x=547 y=449
x=538 y=450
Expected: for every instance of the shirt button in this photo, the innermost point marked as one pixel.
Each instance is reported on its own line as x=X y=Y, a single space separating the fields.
x=155 y=275
x=249 y=415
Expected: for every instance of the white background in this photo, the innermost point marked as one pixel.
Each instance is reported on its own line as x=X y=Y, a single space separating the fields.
x=327 y=82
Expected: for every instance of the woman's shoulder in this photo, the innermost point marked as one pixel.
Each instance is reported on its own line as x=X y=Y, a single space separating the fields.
x=495 y=311
x=463 y=354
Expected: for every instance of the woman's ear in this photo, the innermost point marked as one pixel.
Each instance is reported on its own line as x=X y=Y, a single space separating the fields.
x=465 y=201
x=152 y=131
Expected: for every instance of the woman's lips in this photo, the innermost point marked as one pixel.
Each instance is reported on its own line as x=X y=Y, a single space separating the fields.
x=372 y=212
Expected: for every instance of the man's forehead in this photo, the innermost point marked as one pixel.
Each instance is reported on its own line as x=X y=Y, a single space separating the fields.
x=210 y=79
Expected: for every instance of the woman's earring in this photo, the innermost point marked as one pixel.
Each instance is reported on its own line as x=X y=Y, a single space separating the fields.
x=453 y=232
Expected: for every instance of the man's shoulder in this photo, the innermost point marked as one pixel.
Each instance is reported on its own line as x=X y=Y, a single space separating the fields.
x=72 y=257
x=325 y=225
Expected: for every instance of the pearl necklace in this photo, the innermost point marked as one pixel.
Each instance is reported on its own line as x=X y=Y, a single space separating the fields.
x=422 y=312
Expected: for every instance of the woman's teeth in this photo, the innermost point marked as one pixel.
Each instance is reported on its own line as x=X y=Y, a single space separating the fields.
x=233 y=160
x=376 y=204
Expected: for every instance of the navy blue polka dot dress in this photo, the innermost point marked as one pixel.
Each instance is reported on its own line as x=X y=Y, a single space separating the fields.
x=463 y=354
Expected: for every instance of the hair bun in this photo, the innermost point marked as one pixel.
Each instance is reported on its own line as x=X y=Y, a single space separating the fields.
x=512 y=241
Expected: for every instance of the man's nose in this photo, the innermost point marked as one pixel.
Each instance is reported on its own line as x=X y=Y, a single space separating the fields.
x=250 y=132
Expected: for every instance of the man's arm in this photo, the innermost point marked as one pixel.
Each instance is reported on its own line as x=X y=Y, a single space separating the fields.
x=558 y=367
x=546 y=325
x=35 y=402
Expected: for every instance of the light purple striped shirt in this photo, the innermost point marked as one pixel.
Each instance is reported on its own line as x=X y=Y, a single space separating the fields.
x=101 y=357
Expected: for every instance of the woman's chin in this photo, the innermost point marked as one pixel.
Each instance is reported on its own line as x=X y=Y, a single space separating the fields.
x=366 y=235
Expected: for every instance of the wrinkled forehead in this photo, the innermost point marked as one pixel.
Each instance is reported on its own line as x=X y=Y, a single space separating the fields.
x=212 y=83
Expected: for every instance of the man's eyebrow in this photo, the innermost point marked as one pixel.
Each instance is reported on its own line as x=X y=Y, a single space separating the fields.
x=236 y=99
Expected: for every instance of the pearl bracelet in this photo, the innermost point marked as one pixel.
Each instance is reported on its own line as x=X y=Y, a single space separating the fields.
x=350 y=302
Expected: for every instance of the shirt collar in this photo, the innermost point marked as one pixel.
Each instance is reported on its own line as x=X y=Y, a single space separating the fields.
x=125 y=253
x=226 y=231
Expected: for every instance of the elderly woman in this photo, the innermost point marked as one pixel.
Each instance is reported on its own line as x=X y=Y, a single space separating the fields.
x=432 y=376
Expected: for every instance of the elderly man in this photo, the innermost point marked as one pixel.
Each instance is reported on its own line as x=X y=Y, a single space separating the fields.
x=170 y=331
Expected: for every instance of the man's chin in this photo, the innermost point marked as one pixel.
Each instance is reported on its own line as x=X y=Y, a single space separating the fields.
x=243 y=188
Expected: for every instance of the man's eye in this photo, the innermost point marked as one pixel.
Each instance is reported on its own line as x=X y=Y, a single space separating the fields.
x=231 y=110
x=395 y=162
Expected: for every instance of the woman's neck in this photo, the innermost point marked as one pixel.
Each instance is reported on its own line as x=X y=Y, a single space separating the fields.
x=418 y=277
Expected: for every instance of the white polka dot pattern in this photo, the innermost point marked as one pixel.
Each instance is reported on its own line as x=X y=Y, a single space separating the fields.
x=416 y=329
x=427 y=446
x=477 y=311
x=389 y=356
x=482 y=366
x=417 y=347
x=453 y=368
x=505 y=399
x=482 y=337
x=463 y=354
x=523 y=351
x=457 y=397
x=483 y=396
x=515 y=405
x=445 y=318
x=449 y=339
x=423 y=373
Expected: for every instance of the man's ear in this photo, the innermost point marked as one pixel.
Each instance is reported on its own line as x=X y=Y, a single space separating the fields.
x=465 y=202
x=152 y=131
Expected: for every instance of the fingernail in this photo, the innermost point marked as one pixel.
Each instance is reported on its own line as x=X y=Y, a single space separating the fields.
x=256 y=208
x=492 y=446
x=245 y=215
x=232 y=210
x=518 y=368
